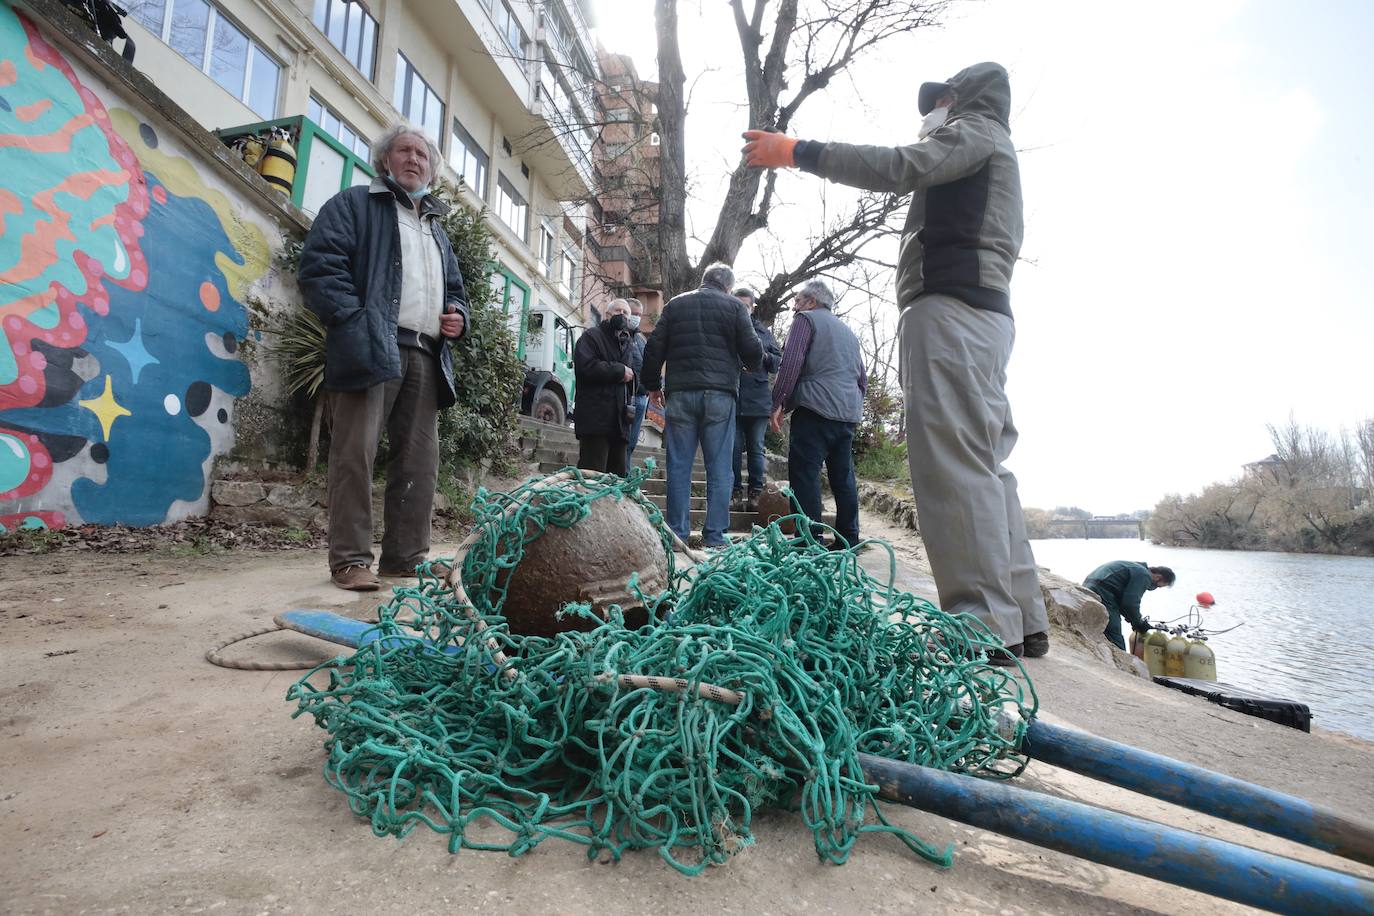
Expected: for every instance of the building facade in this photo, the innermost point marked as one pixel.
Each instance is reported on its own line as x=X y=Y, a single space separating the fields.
x=505 y=89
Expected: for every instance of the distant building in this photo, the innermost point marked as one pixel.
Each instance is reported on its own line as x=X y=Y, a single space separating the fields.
x=1271 y=468
x=622 y=242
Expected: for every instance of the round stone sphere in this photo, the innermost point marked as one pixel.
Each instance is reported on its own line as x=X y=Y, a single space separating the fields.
x=590 y=562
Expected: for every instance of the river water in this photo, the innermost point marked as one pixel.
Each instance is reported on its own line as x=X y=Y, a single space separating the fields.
x=1308 y=631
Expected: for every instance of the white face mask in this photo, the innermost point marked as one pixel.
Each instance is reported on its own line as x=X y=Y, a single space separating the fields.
x=633 y=322
x=935 y=119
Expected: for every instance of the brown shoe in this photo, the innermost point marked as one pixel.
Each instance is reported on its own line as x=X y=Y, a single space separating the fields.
x=355 y=578
x=1006 y=658
x=1037 y=645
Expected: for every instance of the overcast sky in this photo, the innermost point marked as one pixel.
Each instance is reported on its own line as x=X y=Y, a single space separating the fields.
x=1198 y=178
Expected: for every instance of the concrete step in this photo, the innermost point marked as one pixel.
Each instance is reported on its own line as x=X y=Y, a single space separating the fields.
x=698 y=475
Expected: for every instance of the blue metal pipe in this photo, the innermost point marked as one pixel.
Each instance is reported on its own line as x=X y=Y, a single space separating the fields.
x=1168 y=854
x=1201 y=789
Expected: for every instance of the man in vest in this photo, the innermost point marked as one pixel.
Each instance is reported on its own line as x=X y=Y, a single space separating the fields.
x=822 y=382
x=962 y=235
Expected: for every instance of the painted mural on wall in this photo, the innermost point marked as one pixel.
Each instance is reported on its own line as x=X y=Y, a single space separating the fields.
x=122 y=286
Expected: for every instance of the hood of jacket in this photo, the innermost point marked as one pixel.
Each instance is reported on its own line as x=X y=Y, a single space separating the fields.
x=983 y=89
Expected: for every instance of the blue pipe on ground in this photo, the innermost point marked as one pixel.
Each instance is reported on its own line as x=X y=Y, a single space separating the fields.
x=1167 y=854
x=1200 y=789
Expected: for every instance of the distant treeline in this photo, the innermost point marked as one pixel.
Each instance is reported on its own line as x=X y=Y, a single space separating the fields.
x=1313 y=495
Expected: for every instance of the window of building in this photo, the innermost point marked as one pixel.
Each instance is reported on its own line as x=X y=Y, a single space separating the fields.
x=211 y=42
x=567 y=272
x=350 y=29
x=547 y=247
x=511 y=206
x=509 y=27
x=466 y=156
x=336 y=126
x=415 y=100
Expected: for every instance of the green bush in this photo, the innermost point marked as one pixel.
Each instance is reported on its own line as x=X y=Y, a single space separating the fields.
x=487 y=371
x=883 y=461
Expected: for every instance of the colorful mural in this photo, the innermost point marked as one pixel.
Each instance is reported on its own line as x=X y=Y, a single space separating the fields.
x=122 y=286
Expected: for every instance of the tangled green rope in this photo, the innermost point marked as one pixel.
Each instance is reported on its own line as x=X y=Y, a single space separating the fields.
x=424 y=728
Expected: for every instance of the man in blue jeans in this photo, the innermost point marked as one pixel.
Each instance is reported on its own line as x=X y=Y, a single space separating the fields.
x=823 y=382
x=704 y=336
x=752 y=407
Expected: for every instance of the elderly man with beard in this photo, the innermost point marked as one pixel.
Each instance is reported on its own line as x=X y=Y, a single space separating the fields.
x=379 y=271
x=962 y=235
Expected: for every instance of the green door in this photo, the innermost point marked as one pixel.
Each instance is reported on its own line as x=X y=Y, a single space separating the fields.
x=563 y=358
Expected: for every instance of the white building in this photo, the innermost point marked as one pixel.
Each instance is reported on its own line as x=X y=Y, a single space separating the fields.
x=504 y=87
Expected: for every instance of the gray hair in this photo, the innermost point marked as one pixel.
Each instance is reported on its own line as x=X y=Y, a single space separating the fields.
x=819 y=291
x=718 y=275
x=745 y=292
x=381 y=148
x=614 y=302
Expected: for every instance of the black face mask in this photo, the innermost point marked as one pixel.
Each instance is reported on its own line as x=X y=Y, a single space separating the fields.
x=615 y=324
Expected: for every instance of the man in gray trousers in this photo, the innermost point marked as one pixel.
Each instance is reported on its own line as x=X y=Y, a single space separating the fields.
x=961 y=239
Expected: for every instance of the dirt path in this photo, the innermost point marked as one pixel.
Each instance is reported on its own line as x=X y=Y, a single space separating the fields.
x=135 y=777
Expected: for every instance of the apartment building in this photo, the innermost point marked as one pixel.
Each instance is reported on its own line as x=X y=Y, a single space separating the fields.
x=622 y=238
x=505 y=88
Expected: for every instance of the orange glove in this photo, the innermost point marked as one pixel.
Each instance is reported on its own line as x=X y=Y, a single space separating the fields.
x=768 y=150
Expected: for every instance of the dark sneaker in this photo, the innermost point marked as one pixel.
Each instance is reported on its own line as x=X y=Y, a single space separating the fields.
x=752 y=503
x=396 y=572
x=1006 y=658
x=355 y=578
x=1037 y=645
x=737 y=503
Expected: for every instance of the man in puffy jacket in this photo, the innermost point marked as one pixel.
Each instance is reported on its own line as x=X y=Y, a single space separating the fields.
x=752 y=407
x=962 y=235
x=704 y=336
x=378 y=269
x=1120 y=585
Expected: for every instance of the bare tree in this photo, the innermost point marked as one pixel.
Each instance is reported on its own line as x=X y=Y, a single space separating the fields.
x=791 y=49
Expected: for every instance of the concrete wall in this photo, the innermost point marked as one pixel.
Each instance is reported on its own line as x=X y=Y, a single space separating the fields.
x=132 y=257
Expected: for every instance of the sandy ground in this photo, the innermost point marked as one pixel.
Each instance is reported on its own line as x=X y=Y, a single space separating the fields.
x=135 y=777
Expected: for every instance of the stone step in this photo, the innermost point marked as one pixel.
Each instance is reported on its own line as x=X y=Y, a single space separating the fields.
x=553 y=466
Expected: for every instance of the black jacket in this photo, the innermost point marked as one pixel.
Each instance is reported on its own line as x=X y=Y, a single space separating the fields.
x=637 y=361
x=704 y=336
x=755 y=393
x=350 y=276
x=599 y=361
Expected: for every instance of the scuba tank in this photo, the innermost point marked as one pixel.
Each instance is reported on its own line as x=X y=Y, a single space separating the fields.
x=1200 y=661
x=278 y=163
x=1174 y=651
x=1155 y=643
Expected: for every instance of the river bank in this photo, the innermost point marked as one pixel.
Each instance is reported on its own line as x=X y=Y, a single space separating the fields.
x=135 y=776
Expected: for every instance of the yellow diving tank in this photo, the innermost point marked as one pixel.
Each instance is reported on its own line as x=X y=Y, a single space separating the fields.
x=1155 y=641
x=1200 y=661
x=278 y=164
x=1175 y=650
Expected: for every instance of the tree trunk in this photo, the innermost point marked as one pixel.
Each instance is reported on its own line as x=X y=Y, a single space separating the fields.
x=312 y=447
x=672 y=113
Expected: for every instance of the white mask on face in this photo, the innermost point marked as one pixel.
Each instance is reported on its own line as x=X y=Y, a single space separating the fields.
x=633 y=322
x=935 y=119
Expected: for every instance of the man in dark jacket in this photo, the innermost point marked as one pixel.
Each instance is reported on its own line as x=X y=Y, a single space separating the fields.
x=641 y=399
x=379 y=271
x=823 y=382
x=704 y=336
x=752 y=407
x=963 y=232
x=1120 y=585
x=605 y=380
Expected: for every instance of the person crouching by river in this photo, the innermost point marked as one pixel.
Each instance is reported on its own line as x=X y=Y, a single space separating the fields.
x=1120 y=585
x=602 y=363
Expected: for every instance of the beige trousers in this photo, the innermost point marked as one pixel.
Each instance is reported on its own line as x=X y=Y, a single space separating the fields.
x=959 y=433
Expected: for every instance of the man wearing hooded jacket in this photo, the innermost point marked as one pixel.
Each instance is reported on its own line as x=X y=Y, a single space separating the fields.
x=962 y=235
